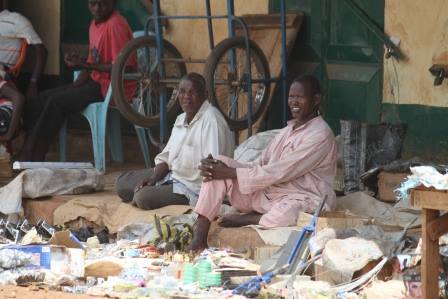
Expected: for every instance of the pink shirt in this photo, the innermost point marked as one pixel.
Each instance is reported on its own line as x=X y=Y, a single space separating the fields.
x=298 y=164
x=106 y=41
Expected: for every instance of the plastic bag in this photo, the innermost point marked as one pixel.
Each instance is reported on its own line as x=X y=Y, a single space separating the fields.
x=367 y=146
x=11 y=258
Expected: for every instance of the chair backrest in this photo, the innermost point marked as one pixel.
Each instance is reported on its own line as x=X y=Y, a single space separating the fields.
x=108 y=94
x=140 y=33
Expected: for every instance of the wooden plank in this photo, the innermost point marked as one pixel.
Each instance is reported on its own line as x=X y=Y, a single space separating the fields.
x=438 y=227
x=257 y=21
x=437 y=200
x=269 y=40
x=430 y=258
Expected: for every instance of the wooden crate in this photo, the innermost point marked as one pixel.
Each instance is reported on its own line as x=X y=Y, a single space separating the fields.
x=336 y=220
x=387 y=183
x=5 y=167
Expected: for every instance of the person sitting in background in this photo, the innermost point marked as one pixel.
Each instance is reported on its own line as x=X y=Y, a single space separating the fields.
x=294 y=173
x=11 y=105
x=45 y=114
x=17 y=37
x=175 y=180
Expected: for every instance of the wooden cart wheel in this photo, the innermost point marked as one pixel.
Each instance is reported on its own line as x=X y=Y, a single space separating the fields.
x=137 y=82
x=227 y=81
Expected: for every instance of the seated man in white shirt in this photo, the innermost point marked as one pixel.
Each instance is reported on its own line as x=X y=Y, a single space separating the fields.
x=17 y=36
x=16 y=32
x=198 y=132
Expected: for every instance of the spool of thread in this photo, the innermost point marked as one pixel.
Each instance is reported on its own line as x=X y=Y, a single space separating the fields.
x=204 y=267
x=213 y=279
x=189 y=274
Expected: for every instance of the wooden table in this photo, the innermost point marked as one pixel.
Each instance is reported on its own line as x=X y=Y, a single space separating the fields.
x=431 y=202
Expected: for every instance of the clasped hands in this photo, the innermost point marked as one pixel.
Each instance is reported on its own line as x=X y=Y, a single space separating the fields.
x=212 y=169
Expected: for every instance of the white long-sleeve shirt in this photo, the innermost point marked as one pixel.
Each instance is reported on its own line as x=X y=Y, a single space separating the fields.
x=207 y=133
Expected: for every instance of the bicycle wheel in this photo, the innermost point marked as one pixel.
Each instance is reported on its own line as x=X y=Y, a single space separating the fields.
x=137 y=81
x=227 y=81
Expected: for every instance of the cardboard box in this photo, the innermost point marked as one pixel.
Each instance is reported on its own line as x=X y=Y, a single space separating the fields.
x=5 y=167
x=336 y=220
x=320 y=273
x=63 y=254
x=57 y=259
x=65 y=238
x=260 y=254
x=387 y=183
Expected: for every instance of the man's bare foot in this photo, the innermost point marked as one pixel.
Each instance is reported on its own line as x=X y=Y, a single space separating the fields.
x=237 y=220
x=200 y=234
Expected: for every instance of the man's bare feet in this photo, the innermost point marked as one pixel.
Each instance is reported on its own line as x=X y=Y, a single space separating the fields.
x=200 y=234
x=237 y=220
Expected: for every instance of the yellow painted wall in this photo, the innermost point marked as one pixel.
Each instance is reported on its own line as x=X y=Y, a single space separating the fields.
x=45 y=17
x=422 y=27
x=190 y=37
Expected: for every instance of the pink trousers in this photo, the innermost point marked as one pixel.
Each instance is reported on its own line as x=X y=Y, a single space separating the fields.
x=276 y=213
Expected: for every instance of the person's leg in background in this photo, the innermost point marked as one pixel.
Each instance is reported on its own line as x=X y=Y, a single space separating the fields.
x=55 y=107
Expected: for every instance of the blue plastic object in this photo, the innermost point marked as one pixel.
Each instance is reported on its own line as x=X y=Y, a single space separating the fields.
x=97 y=114
x=251 y=288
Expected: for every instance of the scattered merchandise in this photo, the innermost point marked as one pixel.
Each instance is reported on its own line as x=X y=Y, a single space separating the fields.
x=367 y=248
x=427 y=176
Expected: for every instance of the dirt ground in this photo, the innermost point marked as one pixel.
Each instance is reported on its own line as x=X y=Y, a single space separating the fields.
x=32 y=292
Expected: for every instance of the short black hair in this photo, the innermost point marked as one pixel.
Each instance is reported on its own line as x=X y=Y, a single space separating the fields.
x=197 y=80
x=312 y=82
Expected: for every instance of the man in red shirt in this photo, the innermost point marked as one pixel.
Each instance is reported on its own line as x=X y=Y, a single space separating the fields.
x=108 y=33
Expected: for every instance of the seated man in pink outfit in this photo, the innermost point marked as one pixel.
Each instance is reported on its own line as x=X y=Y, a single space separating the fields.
x=294 y=173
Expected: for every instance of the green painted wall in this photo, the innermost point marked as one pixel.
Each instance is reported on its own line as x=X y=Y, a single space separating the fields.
x=338 y=48
x=427 y=130
x=335 y=46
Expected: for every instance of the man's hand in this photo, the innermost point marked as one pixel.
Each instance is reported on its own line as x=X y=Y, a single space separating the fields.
x=73 y=60
x=31 y=91
x=146 y=182
x=212 y=169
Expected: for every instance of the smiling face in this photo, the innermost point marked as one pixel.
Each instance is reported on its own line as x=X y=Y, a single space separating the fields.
x=101 y=10
x=303 y=102
x=190 y=98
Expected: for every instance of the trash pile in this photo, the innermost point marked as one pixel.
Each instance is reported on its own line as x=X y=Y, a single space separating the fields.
x=142 y=260
x=145 y=260
x=369 y=248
